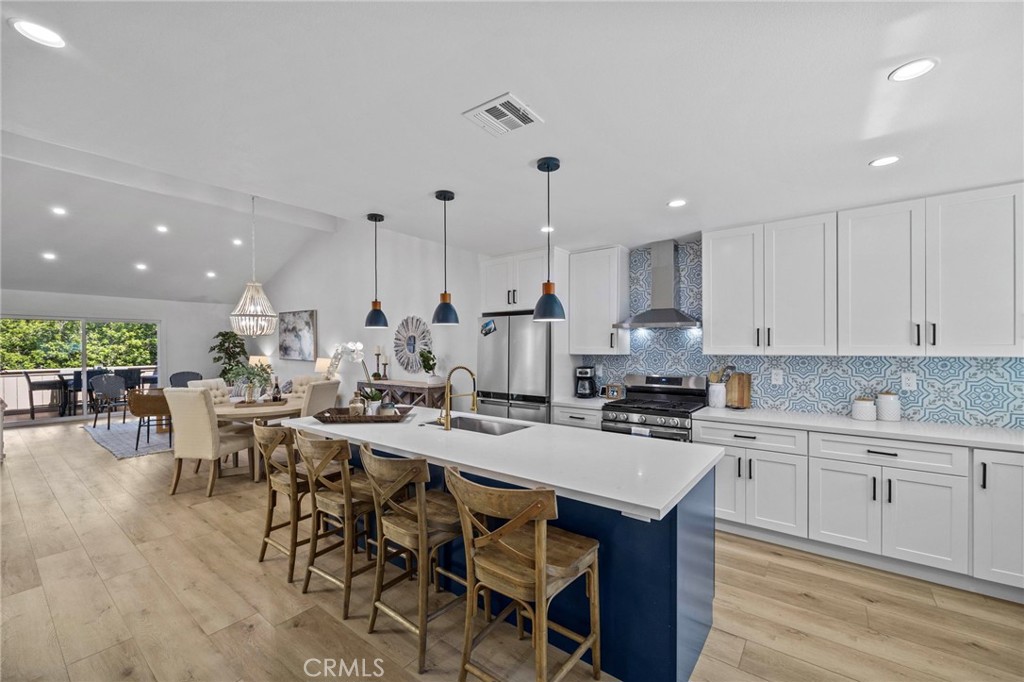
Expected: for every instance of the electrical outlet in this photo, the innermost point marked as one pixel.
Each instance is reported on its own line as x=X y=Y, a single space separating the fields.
x=908 y=381
x=776 y=377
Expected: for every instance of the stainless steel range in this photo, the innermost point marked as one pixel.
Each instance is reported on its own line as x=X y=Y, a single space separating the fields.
x=656 y=406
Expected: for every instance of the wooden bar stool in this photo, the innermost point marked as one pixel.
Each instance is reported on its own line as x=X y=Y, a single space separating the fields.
x=526 y=561
x=337 y=503
x=420 y=526
x=284 y=477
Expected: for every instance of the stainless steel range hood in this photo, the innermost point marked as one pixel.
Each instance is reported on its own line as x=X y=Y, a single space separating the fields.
x=663 y=313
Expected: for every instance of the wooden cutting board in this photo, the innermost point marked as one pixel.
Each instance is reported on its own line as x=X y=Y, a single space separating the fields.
x=737 y=391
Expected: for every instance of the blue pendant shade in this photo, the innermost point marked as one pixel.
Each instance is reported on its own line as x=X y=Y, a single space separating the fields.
x=445 y=313
x=376 y=317
x=548 y=308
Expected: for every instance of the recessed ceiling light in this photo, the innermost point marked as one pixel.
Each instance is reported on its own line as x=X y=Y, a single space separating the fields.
x=59 y=210
x=211 y=273
x=547 y=228
x=676 y=203
x=161 y=228
x=884 y=161
x=914 y=69
x=141 y=266
x=39 y=34
x=50 y=256
x=236 y=242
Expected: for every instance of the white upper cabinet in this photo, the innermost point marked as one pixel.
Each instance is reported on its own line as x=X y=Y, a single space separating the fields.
x=800 y=286
x=598 y=298
x=881 y=280
x=771 y=289
x=513 y=282
x=733 y=291
x=975 y=273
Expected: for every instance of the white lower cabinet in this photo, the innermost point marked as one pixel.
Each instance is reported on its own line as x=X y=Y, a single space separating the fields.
x=999 y=517
x=576 y=416
x=910 y=515
x=730 y=487
x=777 y=492
x=763 y=489
x=844 y=505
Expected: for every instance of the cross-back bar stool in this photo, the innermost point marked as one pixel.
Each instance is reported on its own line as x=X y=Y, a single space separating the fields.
x=338 y=499
x=527 y=561
x=419 y=525
x=284 y=477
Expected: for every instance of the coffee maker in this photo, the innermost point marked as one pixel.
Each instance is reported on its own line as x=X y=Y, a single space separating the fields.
x=586 y=385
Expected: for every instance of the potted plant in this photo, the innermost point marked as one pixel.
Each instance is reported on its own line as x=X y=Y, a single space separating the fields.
x=428 y=360
x=230 y=351
x=254 y=376
x=373 y=398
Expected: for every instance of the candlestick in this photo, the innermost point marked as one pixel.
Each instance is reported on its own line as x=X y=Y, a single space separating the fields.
x=384 y=377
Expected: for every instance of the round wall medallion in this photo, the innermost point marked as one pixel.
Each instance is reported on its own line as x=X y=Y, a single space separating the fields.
x=412 y=336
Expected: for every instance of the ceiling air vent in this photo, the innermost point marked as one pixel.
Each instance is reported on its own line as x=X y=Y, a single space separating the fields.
x=502 y=115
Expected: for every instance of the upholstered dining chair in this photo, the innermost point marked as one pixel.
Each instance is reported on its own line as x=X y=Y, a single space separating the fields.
x=219 y=390
x=181 y=379
x=319 y=396
x=198 y=436
x=109 y=393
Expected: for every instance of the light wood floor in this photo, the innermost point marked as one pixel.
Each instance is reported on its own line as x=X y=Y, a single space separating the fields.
x=106 y=577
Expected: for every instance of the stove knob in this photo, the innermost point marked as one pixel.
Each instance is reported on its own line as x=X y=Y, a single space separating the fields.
x=623 y=416
x=661 y=421
x=642 y=419
x=674 y=422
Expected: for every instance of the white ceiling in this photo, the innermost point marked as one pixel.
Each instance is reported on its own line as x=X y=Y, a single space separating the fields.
x=750 y=111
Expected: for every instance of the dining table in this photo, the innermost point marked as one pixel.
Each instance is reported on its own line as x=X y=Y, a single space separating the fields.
x=246 y=414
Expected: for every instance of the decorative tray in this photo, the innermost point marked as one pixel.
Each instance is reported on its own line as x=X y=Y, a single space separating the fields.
x=256 y=403
x=340 y=415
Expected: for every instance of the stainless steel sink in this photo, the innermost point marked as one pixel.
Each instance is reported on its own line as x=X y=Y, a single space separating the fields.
x=484 y=426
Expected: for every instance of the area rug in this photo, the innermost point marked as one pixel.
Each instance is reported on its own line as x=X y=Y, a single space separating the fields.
x=120 y=439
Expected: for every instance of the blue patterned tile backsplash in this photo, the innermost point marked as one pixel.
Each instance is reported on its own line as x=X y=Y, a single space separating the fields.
x=969 y=391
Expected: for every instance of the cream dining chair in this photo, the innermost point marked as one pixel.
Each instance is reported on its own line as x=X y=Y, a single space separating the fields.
x=197 y=435
x=219 y=389
x=318 y=396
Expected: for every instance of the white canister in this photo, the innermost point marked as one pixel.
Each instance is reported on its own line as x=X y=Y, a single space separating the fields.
x=888 y=407
x=863 y=409
x=716 y=395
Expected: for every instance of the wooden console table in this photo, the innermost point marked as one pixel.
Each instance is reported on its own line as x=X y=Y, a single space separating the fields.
x=422 y=393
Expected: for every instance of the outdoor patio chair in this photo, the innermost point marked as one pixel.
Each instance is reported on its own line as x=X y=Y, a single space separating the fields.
x=109 y=393
x=40 y=384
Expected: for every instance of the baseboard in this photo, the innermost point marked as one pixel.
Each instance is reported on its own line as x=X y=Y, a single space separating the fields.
x=934 y=575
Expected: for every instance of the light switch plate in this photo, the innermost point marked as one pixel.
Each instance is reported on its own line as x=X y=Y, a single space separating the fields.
x=776 y=377
x=908 y=381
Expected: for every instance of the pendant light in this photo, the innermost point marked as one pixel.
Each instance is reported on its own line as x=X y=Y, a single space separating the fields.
x=376 y=316
x=548 y=308
x=254 y=316
x=445 y=313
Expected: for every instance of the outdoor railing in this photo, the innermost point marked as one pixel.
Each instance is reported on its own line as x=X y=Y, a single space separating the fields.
x=14 y=388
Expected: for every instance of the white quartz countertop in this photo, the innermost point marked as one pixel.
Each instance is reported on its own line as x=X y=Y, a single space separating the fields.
x=951 y=434
x=643 y=478
x=580 y=403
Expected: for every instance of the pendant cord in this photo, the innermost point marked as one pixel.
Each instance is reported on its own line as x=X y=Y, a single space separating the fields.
x=549 y=225
x=375 y=224
x=253 y=237
x=445 y=248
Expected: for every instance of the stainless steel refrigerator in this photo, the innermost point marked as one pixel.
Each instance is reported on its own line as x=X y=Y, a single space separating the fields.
x=513 y=357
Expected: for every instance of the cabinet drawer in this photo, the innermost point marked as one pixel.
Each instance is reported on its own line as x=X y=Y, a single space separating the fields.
x=899 y=454
x=767 y=438
x=567 y=416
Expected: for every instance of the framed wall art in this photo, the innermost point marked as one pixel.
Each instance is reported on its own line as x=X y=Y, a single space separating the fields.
x=296 y=338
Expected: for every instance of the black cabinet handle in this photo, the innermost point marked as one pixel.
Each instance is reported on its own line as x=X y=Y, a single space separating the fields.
x=750 y=468
x=890 y=491
x=874 y=488
x=984 y=475
x=918 y=327
x=740 y=435
x=611 y=340
x=769 y=336
x=739 y=467
x=572 y=416
x=887 y=454
x=508 y=296
x=515 y=295
x=758 y=336
x=935 y=334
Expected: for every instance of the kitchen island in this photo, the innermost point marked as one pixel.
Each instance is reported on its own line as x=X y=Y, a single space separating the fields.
x=650 y=504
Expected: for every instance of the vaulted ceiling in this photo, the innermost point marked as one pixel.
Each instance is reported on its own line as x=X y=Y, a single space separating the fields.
x=749 y=111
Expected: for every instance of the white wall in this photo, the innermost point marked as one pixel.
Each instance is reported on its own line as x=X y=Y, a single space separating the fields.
x=186 y=329
x=334 y=276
